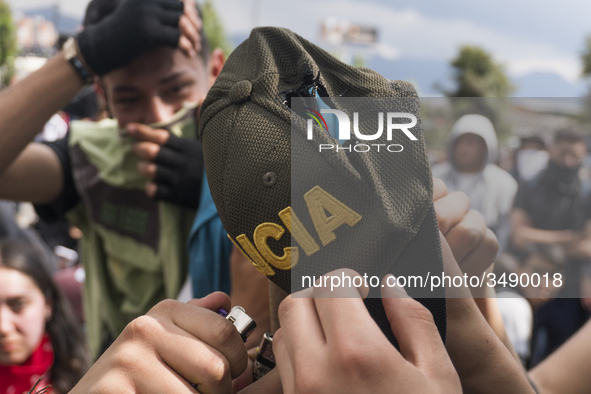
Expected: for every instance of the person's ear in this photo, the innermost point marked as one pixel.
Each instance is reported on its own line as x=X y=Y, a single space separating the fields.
x=216 y=63
x=100 y=91
x=103 y=98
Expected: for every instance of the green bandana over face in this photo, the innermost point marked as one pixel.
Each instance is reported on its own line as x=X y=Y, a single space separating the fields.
x=133 y=247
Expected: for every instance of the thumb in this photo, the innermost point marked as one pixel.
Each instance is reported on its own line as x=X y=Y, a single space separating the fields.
x=413 y=326
x=245 y=379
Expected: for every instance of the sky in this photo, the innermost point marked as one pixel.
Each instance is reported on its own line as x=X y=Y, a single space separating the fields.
x=526 y=36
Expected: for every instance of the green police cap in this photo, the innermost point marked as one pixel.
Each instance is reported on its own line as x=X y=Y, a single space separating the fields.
x=369 y=211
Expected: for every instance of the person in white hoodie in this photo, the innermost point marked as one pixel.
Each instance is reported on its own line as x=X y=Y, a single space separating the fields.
x=472 y=150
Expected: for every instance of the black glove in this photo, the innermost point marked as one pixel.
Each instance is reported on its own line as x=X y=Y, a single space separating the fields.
x=179 y=171
x=135 y=27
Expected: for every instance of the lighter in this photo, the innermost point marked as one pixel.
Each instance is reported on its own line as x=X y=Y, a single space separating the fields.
x=243 y=323
x=264 y=361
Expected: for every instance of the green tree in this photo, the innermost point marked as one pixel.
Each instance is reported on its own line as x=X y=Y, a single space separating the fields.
x=214 y=29
x=359 y=60
x=586 y=57
x=7 y=41
x=585 y=116
x=477 y=75
x=481 y=86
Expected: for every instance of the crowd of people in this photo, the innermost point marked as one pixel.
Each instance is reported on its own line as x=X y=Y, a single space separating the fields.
x=157 y=264
x=539 y=214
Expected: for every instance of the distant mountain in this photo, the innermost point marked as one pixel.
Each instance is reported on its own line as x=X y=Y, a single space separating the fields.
x=427 y=75
x=547 y=85
x=424 y=74
x=65 y=24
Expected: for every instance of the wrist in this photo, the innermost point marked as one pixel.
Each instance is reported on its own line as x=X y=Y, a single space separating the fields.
x=73 y=56
x=82 y=59
x=479 y=356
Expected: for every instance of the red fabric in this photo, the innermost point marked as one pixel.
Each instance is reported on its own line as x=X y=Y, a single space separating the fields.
x=18 y=379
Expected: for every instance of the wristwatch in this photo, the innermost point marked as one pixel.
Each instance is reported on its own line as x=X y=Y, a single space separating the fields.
x=71 y=55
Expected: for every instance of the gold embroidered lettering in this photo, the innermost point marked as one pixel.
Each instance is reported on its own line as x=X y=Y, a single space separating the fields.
x=249 y=250
x=299 y=232
x=261 y=235
x=319 y=201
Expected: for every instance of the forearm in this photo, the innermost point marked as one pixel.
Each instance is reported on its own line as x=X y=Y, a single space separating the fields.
x=26 y=107
x=490 y=310
x=567 y=370
x=524 y=235
x=580 y=250
x=483 y=363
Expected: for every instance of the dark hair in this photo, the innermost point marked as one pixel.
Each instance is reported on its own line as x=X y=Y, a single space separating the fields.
x=70 y=356
x=569 y=134
x=98 y=10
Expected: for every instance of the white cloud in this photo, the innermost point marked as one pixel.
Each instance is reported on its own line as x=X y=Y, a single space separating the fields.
x=73 y=8
x=405 y=33
x=386 y=51
x=568 y=67
x=236 y=15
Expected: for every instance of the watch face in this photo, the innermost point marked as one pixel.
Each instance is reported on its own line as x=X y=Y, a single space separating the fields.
x=69 y=48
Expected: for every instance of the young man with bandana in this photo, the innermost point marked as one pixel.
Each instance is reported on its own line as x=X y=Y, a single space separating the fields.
x=553 y=208
x=150 y=59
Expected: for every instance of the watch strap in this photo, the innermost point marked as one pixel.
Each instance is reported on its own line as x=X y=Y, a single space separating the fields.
x=71 y=55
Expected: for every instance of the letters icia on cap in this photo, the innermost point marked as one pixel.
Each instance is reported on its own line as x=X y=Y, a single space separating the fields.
x=345 y=124
x=319 y=202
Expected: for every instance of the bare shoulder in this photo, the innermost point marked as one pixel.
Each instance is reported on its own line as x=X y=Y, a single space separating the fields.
x=36 y=175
